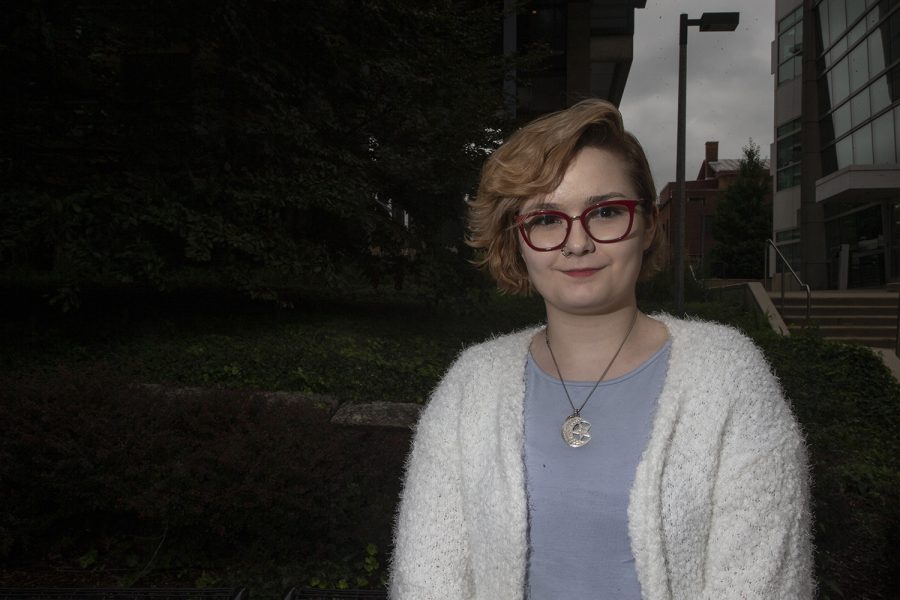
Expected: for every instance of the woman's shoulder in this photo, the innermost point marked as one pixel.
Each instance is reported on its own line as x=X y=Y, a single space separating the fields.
x=710 y=343
x=498 y=354
x=478 y=369
x=499 y=348
x=696 y=331
x=723 y=367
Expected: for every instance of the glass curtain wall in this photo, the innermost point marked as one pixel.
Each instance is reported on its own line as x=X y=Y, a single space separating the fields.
x=787 y=162
x=787 y=136
x=858 y=67
x=861 y=230
x=790 y=46
x=859 y=82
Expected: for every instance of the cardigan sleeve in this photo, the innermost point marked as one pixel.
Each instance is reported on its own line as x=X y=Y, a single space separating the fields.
x=759 y=540
x=430 y=556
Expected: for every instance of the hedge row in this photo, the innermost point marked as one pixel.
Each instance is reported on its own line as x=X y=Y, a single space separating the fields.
x=118 y=479
x=122 y=484
x=848 y=404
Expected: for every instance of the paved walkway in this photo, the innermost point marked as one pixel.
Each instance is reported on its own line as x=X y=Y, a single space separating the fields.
x=890 y=361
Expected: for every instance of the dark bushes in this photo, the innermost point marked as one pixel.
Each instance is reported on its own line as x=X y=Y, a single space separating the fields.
x=96 y=471
x=121 y=484
x=849 y=407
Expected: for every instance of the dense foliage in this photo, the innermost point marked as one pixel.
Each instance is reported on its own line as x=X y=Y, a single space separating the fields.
x=848 y=405
x=263 y=141
x=365 y=350
x=102 y=482
x=120 y=482
x=743 y=220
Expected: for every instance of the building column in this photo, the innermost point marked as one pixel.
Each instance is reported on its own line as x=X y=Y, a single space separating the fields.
x=812 y=220
x=887 y=238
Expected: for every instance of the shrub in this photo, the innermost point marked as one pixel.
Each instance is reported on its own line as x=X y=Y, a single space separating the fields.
x=126 y=484
x=96 y=471
x=849 y=407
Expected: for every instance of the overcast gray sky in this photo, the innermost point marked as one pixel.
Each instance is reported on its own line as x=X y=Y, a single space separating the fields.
x=729 y=83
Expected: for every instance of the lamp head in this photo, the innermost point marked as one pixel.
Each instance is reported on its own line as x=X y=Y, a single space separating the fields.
x=719 y=21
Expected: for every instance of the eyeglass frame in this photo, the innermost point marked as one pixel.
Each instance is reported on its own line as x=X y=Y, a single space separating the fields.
x=630 y=204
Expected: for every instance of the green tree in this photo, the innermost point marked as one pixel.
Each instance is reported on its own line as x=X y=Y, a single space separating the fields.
x=258 y=141
x=743 y=220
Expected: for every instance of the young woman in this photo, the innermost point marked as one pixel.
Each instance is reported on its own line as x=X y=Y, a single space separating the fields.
x=607 y=454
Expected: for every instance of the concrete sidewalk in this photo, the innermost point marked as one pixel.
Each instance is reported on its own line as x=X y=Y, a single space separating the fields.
x=890 y=360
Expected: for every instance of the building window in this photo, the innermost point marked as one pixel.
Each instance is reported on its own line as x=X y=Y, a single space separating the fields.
x=788 y=235
x=788 y=155
x=788 y=243
x=876 y=142
x=790 y=46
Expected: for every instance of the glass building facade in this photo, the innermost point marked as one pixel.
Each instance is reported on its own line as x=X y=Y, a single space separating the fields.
x=788 y=155
x=859 y=82
x=857 y=50
x=790 y=45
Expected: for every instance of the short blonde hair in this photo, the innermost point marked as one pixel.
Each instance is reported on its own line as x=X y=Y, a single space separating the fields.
x=533 y=162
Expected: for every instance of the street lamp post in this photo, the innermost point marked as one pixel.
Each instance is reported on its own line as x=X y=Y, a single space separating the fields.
x=718 y=21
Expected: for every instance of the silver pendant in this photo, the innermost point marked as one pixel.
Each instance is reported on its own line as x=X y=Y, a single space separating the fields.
x=576 y=431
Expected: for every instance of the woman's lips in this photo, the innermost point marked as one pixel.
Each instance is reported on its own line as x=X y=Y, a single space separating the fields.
x=580 y=272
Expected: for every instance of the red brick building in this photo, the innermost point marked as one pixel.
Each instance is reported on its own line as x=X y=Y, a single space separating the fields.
x=701 y=197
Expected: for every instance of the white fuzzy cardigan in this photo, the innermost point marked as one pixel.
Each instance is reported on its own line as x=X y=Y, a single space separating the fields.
x=719 y=508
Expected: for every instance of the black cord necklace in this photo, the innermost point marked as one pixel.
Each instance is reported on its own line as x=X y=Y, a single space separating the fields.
x=576 y=429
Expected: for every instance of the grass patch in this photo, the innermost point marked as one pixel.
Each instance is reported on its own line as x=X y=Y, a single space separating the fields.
x=359 y=347
x=392 y=349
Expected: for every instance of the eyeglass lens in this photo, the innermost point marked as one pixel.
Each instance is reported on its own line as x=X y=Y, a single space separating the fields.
x=604 y=223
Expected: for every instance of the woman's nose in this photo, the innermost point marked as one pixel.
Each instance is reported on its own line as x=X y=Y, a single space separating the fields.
x=579 y=242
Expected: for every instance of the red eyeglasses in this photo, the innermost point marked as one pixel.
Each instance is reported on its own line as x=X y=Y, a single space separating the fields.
x=605 y=222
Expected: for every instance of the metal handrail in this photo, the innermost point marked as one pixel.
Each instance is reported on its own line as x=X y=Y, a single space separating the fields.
x=693 y=274
x=771 y=243
x=897 y=336
x=700 y=283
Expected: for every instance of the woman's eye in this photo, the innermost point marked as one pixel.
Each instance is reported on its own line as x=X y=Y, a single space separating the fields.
x=544 y=221
x=606 y=212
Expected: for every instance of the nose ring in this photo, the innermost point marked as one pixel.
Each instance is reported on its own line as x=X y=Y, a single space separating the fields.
x=566 y=252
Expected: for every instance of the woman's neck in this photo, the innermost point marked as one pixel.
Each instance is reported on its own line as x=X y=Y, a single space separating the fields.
x=572 y=333
x=585 y=344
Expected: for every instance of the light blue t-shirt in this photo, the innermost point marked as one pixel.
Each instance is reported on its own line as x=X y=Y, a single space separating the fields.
x=579 y=545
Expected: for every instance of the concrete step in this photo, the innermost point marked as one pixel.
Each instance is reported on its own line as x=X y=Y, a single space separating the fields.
x=861 y=317
x=870 y=339
x=844 y=331
x=871 y=342
x=828 y=319
x=817 y=312
x=890 y=300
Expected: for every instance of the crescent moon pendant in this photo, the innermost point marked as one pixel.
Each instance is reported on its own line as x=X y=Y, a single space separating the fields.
x=576 y=431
